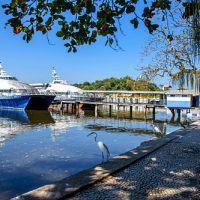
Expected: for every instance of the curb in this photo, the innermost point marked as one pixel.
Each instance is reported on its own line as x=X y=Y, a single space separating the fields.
x=77 y=182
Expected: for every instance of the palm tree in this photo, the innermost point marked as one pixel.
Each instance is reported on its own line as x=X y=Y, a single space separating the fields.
x=192 y=13
x=188 y=78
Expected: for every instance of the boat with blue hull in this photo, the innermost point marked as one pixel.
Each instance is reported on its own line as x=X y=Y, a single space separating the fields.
x=15 y=94
x=14 y=102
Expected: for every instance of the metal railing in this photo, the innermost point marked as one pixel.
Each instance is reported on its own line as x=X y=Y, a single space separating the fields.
x=23 y=92
x=151 y=101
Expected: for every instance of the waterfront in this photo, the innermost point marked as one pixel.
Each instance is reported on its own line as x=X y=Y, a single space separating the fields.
x=41 y=147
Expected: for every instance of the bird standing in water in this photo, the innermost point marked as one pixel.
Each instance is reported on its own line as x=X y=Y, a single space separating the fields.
x=102 y=146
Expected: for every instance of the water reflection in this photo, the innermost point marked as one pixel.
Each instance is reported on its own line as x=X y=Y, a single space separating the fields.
x=39 y=147
x=15 y=115
x=14 y=122
x=146 y=129
x=38 y=117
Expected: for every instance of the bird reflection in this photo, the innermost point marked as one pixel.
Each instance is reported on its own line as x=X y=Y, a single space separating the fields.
x=182 y=125
x=156 y=129
x=103 y=148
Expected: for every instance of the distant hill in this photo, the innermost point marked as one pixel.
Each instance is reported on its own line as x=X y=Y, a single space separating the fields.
x=125 y=83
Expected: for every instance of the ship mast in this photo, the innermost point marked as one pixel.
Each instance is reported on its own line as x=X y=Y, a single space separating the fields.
x=55 y=75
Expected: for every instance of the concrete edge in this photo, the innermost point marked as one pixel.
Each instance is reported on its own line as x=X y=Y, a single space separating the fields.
x=77 y=182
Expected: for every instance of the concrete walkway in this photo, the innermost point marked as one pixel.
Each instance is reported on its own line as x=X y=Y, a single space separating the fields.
x=172 y=172
x=166 y=168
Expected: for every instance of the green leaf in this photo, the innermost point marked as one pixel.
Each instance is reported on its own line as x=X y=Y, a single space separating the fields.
x=70 y=49
x=135 y=22
x=60 y=22
x=134 y=1
x=130 y=9
x=49 y=21
x=60 y=34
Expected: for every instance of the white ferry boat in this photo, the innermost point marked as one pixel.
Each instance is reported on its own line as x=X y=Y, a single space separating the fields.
x=15 y=94
x=62 y=89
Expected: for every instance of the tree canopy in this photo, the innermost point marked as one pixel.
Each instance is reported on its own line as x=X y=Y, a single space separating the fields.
x=125 y=83
x=174 y=54
x=80 y=22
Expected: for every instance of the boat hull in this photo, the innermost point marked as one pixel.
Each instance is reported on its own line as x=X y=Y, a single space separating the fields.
x=14 y=102
x=40 y=102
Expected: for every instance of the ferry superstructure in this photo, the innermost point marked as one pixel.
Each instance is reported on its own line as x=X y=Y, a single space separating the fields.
x=62 y=89
x=15 y=94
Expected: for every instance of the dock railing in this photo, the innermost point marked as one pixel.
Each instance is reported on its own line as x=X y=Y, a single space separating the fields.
x=127 y=101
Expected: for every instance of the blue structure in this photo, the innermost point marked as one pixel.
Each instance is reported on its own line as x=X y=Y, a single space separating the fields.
x=196 y=101
x=179 y=101
x=14 y=102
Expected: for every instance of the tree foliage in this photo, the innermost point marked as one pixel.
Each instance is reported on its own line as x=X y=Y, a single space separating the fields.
x=125 y=83
x=187 y=79
x=79 y=22
x=170 y=53
x=192 y=13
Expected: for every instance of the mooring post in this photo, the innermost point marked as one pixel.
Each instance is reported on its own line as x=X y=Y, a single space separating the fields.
x=77 y=108
x=145 y=112
x=179 y=113
x=61 y=105
x=154 y=113
x=131 y=112
x=73 y=108
x=96 y=110
x=172 y=111
x=110 y=110
x=67 y=107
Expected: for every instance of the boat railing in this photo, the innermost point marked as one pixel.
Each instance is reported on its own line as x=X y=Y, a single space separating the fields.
x=24 y=92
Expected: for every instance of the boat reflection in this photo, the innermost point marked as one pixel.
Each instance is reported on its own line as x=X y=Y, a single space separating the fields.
x=39 y=117
x=14 y=122
x=16 y=115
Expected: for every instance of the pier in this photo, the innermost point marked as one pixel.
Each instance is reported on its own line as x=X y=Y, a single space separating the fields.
x=149 y=100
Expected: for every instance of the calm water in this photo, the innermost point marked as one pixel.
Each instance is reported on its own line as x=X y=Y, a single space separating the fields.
x=39 y=147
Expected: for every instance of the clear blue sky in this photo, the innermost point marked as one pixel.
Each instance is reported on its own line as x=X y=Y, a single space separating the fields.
x=33 y=62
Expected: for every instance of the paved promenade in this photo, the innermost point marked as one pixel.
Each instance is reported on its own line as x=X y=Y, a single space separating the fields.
x=172 y=172
x=167 y=169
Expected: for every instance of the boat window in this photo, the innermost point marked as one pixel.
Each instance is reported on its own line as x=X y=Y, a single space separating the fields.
x=8 y=78
x=57 y=82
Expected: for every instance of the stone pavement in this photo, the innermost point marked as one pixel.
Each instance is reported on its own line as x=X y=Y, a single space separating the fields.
x=165 y=168
x=172 y=172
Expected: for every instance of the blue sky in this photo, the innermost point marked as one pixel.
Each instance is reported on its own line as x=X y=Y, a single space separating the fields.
x=33 y=62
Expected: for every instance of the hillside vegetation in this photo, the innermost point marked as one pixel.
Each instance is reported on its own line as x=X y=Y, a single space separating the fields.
x=125 y=83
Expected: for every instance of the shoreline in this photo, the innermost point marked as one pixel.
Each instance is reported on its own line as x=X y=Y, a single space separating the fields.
x=84 y=179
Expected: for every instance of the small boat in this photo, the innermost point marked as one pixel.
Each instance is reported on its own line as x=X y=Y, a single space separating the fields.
x=15 y=94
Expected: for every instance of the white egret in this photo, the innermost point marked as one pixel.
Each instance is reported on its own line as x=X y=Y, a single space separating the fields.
x=101 y=145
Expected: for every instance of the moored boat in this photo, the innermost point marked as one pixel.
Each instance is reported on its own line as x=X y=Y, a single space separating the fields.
x=14 y=102
x=63 y=90
x=15 y=94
